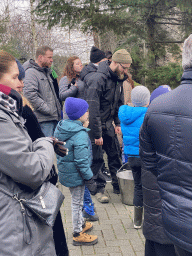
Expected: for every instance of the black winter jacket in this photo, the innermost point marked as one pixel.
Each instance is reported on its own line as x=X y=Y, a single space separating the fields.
x=152 y=226
x=104 y=94
x=166 y=151
x=87 y=72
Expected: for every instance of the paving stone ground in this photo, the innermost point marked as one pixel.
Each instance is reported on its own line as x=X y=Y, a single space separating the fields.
x=116 y=235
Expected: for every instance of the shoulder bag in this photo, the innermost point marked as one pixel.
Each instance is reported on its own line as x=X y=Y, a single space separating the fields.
x=45 y=205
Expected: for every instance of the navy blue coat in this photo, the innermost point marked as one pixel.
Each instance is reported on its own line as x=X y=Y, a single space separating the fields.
x=166 y=151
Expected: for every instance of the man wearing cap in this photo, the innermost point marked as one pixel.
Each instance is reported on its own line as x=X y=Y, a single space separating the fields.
x=96 y=57
x=104 y=95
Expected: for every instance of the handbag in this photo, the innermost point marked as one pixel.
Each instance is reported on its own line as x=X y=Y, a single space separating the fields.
x=45 y=204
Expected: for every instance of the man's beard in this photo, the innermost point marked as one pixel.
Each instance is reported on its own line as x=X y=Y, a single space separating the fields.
x=46 y=65
x=119 y=73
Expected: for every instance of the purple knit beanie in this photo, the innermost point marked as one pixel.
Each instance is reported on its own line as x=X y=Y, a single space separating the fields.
x=75 y=107
x=159 y=90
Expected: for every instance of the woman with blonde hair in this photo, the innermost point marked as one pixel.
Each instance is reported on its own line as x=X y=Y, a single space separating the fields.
x=24 y=166
x=35 y=132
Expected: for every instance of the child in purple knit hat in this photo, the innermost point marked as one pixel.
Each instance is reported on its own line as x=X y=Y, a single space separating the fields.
x=74 y=170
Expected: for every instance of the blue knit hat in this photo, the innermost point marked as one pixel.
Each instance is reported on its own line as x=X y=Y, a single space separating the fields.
x=75 y=107
x=21 y=70
x=159 y=90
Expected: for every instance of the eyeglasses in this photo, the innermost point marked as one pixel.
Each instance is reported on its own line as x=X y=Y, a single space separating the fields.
x=124 y=68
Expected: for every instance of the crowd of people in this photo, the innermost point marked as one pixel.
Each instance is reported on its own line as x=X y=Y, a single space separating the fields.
x=94 y=109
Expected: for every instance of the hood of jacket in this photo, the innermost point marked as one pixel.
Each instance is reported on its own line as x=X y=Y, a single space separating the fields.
x=88 y=69
x=68 y=128
x=129 y=115
x=32 y=64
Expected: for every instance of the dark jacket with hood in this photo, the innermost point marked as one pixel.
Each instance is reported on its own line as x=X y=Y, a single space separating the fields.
x=104 y=94
x=87 y=72
x=39 y=90
x=166 y=151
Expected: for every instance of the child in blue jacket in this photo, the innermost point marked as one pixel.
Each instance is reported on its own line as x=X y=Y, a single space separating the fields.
x=74 y=169
x=131 y=119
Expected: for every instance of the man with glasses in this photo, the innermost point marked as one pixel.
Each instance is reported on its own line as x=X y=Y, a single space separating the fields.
x=105 y=95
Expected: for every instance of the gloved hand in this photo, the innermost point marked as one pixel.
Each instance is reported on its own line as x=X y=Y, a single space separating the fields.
x=72 y=82
x=91 y=185
x=59 y=147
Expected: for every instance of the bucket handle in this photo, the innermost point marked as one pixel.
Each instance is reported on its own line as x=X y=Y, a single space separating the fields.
x=124 y=166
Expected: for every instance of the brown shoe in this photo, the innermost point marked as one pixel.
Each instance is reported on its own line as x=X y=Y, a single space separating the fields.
x=87 y=226
x=85 y=239
x=102 y=198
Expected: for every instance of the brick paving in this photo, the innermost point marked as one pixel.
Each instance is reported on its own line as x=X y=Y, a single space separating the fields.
x=116 y=235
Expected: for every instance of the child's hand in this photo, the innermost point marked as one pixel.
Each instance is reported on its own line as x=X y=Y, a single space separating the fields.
x=117 y=129
x=59 y=148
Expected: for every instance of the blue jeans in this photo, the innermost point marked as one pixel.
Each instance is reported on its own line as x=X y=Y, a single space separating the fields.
x=48 y=127
x=135 y=164
x=77 y=195
x=88 y=204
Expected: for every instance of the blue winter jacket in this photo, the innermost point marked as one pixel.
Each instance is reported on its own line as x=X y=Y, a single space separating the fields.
x=131 y=119
x=166 y=151
x=74 y=167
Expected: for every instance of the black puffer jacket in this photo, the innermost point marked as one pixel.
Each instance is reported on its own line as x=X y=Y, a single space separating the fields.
x=104 y=94
x=152 y=226
x=166 y=151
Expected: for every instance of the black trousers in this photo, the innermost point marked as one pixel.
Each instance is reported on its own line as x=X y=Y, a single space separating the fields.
x=135 y=164
x=61 y=247
x=112 y=149
x=59 y=237
x=182 y=252
x=156 y=249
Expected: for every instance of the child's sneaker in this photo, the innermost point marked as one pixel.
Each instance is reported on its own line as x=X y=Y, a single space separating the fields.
x=87 y=226
x=84 y=239
x=89 y=217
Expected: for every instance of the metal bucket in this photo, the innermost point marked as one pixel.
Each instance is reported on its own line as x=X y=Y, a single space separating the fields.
x=126 y=184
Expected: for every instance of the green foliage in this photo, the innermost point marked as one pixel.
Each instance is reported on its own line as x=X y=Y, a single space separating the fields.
x=143 y=72
x=159 y=24
x=169 y=74
x=9 y=47
x=59 y=63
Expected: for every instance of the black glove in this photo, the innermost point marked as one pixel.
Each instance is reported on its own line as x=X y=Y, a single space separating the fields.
x=91 y=185
x=53 y=176
x=72 y=82
x=59 y=148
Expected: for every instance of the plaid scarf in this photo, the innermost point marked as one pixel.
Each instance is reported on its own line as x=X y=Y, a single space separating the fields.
x=11 y=99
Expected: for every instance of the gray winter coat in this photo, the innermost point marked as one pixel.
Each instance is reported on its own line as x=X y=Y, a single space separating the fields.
x=23 y=167
x=39 y=90
x=73 y=91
